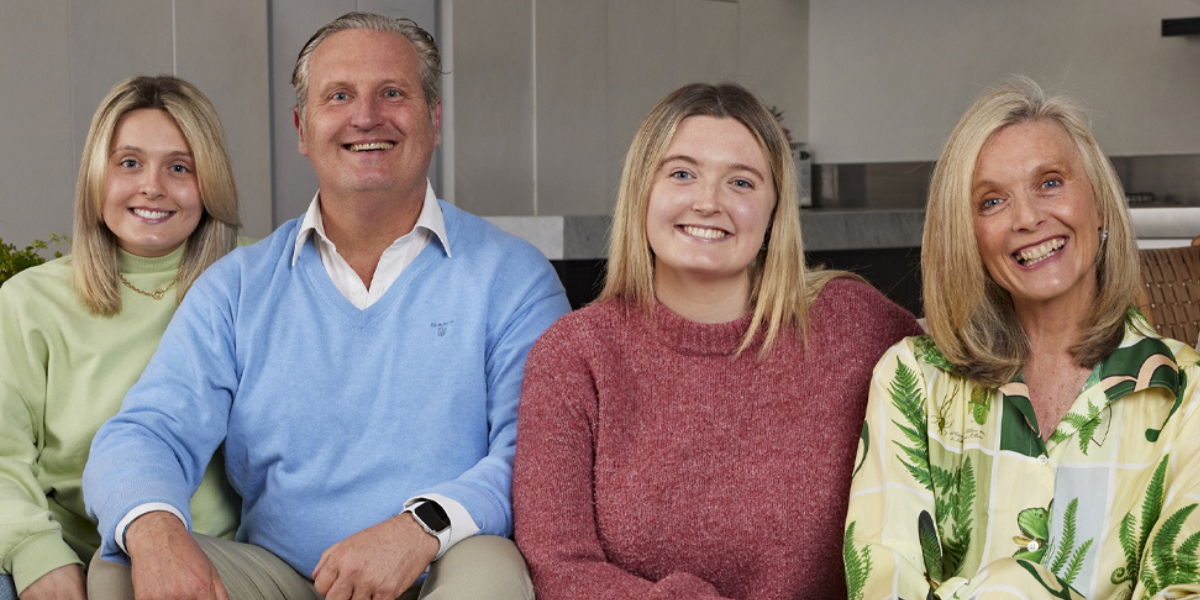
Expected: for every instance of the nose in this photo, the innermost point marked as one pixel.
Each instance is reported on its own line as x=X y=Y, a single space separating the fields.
x=706 y=200
x=151 y=184
x=366 y=113
x=1027 y=213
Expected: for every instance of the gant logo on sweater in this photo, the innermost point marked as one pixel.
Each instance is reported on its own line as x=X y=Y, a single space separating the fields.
x=441 y=327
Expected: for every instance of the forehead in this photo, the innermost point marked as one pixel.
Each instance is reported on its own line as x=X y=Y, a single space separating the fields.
x=720 y=137
x=147 y=128
x=363 y=56
x=1026 y=145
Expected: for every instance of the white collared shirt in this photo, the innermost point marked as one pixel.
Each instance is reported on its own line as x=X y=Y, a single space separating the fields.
x=391 y=263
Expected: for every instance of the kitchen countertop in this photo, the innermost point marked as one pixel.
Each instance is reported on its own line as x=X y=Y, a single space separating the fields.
x=586 y=237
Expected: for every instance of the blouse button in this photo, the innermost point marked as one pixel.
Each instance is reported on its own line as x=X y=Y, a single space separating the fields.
x=1042 y=460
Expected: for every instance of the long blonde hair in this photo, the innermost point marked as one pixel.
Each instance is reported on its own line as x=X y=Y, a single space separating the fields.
x=969 y=315
x=94 y=247
x=781 y=288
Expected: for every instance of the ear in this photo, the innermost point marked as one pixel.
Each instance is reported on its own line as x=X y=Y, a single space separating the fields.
x=437 y=123
x=299 y=123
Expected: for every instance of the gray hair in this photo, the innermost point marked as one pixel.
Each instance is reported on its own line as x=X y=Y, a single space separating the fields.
x=427 y=51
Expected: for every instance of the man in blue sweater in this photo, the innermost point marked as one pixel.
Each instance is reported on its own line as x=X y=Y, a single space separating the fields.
x=360 y=368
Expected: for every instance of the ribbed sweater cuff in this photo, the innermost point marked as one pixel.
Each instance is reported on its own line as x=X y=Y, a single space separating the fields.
x=39 y=555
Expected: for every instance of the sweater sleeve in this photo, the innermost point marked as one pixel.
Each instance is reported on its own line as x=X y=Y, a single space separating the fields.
x=553 y=486
x=537 y=301
x=172 y=421
x=31 y=542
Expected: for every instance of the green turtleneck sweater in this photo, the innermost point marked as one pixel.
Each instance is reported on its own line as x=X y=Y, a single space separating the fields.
x=63 y=372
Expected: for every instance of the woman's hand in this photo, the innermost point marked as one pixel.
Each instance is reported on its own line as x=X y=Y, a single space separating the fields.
x=63 y=583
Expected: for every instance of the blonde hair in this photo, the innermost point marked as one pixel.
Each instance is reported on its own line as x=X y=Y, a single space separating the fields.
x=969 y=315
x=428 y=55
x=781 y=288
x=94 y=247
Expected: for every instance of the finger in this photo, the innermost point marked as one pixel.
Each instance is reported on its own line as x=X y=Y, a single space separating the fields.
x=321 y=563
x=219 y=587
x=341 y=589
x=365 y=593
x=324 y=580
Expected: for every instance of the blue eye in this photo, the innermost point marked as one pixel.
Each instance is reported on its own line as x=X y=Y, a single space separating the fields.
x=989 y=203
x=340 y=96
x=743 y=183
x=129 y=163
x=1052 y=183
x=392 y=93
x=180 y=169
x=680 y=175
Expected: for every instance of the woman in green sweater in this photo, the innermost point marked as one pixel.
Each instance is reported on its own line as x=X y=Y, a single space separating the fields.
x=155 y=206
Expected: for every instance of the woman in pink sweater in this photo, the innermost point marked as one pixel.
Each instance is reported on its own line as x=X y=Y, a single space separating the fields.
x=691 y=434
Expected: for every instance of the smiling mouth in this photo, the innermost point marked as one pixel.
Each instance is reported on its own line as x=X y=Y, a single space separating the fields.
x=1032 y=256
x=369 y=146
x=707 y=233
x=152 y=215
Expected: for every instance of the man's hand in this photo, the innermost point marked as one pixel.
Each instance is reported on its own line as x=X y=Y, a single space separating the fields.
x=167 y=562
x=63 y=583
x=379 y=562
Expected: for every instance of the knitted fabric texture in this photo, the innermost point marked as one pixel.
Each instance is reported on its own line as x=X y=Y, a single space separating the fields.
x=653 y=463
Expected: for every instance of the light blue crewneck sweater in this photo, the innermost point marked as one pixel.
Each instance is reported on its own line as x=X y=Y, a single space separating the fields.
x=333 y=416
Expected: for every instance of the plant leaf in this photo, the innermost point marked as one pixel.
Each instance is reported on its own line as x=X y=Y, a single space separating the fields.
x=931 y=550
x=1034 y=523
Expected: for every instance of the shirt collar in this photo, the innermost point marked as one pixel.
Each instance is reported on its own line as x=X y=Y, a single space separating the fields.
x=1141 y=362
x=430 y=219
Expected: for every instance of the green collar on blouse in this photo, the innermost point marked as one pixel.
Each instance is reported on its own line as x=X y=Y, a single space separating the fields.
x=1139 y=363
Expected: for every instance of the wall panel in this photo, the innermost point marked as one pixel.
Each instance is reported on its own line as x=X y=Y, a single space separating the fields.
x=37 y=172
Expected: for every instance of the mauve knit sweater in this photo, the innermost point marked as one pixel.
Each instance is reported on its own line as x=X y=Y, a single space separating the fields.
x=651 y=463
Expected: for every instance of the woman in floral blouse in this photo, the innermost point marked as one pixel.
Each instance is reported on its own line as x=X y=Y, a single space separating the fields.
x=1042 y=442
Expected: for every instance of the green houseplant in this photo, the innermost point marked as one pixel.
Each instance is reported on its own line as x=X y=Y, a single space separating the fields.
x=13 y=260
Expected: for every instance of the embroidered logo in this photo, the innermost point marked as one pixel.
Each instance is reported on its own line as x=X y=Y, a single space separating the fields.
x=441 y=327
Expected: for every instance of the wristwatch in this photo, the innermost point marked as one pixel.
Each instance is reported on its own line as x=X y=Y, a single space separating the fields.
x=430 y=517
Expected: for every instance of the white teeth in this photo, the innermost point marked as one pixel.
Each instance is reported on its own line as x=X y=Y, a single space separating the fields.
x=704 y=232
x=1040 y=252
x=371 y=146
x=151 y=214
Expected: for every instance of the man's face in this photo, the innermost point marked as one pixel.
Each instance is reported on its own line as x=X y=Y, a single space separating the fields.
x=367 y=126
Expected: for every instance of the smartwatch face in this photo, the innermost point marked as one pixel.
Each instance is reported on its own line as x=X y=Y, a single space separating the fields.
x=432 y=516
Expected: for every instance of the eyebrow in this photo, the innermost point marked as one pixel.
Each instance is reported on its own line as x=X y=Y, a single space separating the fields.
x=1041 y=169
x=982 y=186
x=734 y=166
x=129 y=148
x=330 y=86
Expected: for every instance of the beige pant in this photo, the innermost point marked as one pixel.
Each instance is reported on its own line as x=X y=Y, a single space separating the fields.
x=483 y=567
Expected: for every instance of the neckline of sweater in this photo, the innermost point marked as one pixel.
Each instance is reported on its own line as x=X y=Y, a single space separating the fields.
x=700 y=339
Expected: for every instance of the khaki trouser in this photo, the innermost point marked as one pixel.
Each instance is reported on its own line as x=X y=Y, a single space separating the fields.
x=483 y=567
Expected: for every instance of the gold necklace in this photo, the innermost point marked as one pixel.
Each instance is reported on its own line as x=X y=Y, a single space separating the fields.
x=156 y=294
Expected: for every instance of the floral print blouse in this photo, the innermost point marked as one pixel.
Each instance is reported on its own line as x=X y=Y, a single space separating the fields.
x=955 y=494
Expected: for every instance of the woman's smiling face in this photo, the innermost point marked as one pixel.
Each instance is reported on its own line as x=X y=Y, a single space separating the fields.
x=711 y=202
x=151 y=197
x=1036 y=219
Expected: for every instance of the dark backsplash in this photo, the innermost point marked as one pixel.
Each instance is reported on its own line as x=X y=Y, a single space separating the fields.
x=894 y=271
x=1174 y=180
